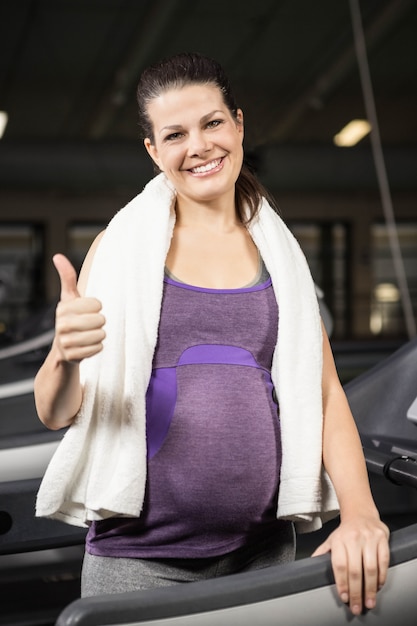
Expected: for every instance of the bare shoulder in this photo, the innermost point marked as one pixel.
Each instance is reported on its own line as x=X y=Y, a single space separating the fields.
x=85 y=270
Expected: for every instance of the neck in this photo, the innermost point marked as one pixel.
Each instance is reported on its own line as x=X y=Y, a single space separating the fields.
x=218 y=216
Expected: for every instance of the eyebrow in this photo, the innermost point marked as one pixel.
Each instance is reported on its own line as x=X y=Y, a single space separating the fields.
x=204 y=119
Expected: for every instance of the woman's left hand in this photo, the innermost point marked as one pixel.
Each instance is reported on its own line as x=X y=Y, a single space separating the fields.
x=360 y=559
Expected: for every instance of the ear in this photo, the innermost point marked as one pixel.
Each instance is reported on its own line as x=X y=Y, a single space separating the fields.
x=240 y=124
x=152 y=151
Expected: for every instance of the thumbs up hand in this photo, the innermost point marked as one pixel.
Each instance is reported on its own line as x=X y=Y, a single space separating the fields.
x=79 y=331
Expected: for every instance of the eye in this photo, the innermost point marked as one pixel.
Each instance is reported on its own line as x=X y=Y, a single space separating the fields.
x=214 y=123
x=173 y=136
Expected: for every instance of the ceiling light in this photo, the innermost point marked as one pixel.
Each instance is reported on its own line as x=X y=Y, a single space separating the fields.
x=387 y=292
x=352 y=133
x=3 y=122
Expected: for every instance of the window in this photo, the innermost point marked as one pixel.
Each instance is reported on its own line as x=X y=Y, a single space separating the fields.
x=387 y=316
x=326 y=246
x=21 y=289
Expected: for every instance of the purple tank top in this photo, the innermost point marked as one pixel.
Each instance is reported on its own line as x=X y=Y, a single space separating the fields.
x=213 y=435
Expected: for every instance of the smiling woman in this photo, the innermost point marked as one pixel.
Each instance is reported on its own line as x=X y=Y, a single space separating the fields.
x=190 y=362
x=190 y=70
x=197 y=143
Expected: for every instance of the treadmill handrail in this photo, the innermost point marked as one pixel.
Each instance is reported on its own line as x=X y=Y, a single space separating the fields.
x=399 y=469
x=41 y=341
x=220 y=593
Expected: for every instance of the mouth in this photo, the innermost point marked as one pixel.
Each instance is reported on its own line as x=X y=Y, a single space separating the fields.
x=207 y=168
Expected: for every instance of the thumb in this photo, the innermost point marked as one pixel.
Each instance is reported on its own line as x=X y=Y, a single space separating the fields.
x=324 y=548
x=68 y=277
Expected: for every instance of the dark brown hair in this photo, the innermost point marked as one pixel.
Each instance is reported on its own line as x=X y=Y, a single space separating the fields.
x=195 y=69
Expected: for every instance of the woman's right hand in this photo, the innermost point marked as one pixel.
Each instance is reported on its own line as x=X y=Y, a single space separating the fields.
x=79 y=323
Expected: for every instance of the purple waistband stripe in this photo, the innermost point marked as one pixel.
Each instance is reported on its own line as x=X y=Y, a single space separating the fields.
x=217 y=354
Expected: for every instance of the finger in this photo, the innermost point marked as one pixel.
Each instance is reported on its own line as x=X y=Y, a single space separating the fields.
x=375 y=565
x=383 y=560
x=340 y=571
x=68 y=277
x=355 y=579
x=78 y=345
x=370 y=572
x=79 y=314
x=78 y=353
x=82 y=339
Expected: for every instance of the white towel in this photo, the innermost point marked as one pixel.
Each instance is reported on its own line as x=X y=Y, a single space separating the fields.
x=99 y=468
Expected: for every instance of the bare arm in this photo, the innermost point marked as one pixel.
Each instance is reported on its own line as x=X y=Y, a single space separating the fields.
x=79 y=334
x=359 y=546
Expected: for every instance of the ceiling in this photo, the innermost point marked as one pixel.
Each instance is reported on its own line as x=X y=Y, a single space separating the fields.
x=69 y=68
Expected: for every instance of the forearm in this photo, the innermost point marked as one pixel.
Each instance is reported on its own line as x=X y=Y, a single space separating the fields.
x=359 y=546
x=57 y=390
x=343 y=458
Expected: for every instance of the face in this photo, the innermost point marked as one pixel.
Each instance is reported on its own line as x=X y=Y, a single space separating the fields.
x=197 y=142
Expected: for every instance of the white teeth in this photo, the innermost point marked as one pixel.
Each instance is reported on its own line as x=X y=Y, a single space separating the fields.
x=206 y=168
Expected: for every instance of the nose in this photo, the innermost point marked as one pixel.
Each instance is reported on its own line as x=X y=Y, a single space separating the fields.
x=198 y=143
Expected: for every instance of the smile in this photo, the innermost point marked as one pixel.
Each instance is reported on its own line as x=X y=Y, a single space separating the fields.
x=208 y=167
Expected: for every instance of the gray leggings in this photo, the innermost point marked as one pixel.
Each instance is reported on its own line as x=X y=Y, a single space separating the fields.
x=103 y=575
